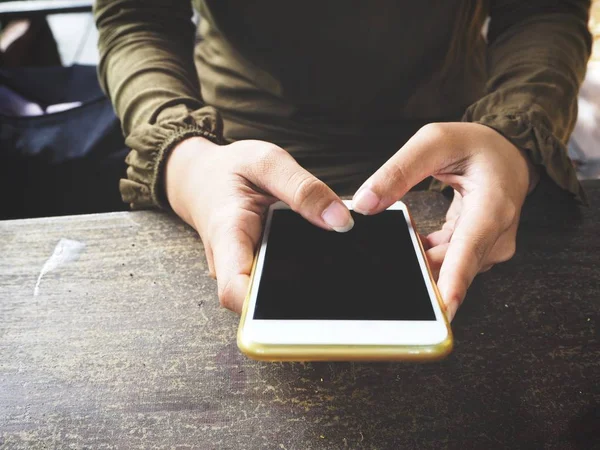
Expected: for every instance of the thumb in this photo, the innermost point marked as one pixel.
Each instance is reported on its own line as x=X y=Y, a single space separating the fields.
x=281 y=176
x=426 y=153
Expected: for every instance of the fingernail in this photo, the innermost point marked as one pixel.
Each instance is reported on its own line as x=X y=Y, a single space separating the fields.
x=365 y=201
x=338 y=217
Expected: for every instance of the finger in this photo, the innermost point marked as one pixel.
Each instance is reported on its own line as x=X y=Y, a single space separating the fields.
x=233 y=243
x=443 y=235
x=503 y=250
x=208 y=254
x=455 y=207
x=273 y=170
x=435 y=257
x=440 y=237
x=233 y=257
x=430 y=150
x=505 y=247
x=475 y=235
x=486 y=268
x=424 y=242
x=211 y=261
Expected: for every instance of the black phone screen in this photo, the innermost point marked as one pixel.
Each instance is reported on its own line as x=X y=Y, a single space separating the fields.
x=368 y=273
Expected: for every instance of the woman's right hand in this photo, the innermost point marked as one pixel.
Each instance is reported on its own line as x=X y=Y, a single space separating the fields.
x=224 y=192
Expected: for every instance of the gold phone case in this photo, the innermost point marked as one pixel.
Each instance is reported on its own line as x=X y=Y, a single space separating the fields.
x=277 y=352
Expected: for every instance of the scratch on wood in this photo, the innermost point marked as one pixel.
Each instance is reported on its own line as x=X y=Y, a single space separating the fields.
x=66 y=250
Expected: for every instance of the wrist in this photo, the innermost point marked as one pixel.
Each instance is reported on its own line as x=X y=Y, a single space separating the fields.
x=534 y=172
x=178 y=168
x=531 y=171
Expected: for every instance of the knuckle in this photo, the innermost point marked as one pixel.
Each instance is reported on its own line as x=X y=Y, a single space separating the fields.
x=511 y=249
x=507 y=252
x=434 y=131
x=455 y=297
x=504 y=212
x=457 y=282
x=480 y=250
x=486 y=268
x=262 y=158
x=308 y=190
x=226 y=295
x=449 y=225
x=464 y=282
x=478 y=247
x=454 y=302
x=395 y=172
x=450 y=216
x=268 y=152
x=510 y=214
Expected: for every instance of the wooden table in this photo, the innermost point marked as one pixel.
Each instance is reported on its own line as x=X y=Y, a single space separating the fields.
x=117 y=341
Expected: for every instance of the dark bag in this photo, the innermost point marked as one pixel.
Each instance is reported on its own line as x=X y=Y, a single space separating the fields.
x=68 y=162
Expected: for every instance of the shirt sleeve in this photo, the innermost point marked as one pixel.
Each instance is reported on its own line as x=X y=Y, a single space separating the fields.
x=147 y=69
x=537 y=57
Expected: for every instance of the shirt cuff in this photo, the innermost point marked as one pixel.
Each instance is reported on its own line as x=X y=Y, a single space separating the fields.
x=150 y=147
x=542 y=147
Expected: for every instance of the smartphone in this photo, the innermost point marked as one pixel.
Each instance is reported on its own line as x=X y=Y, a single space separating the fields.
x=367 y=294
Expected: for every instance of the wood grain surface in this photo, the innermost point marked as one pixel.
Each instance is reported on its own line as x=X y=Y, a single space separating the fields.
x=123 y=345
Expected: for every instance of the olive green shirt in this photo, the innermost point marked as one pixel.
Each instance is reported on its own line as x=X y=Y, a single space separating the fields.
x=341 y=85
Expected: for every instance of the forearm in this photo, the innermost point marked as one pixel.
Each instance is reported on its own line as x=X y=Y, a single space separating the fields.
x=147 y=69
x=146 y=62
x=536 y=64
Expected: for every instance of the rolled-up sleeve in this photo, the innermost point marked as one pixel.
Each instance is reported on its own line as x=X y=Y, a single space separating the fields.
x=147 y=69
x=537 y=57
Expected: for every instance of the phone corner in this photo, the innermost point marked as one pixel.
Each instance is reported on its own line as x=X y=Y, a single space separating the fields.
x=402 y=205
x=244 y=345
x=251 y=349
x=446 y=347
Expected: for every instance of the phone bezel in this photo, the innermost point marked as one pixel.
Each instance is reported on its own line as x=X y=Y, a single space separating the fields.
x=343 y=332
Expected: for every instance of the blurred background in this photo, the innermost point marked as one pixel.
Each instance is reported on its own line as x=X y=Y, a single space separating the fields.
x=585 y=142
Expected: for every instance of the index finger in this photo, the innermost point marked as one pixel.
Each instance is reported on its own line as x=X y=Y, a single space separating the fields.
x=477 y=230
x=233 y=253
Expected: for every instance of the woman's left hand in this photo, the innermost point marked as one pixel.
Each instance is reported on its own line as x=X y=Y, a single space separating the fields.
x=491 y=178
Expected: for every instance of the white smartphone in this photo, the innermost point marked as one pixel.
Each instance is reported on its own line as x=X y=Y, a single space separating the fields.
x=367 y=294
